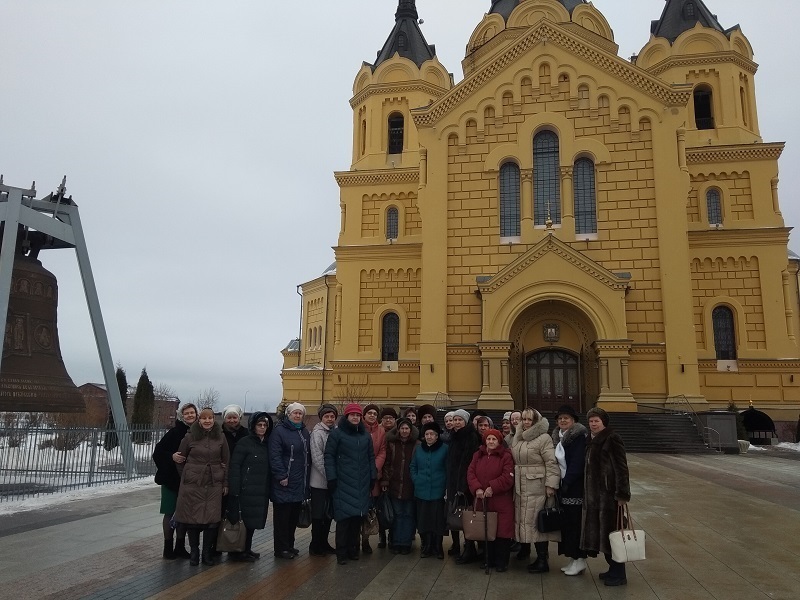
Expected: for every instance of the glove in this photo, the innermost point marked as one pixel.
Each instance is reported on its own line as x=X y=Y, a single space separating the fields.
x=331 y=485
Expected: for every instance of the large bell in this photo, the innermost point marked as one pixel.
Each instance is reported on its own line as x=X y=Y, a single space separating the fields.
x=32 y=374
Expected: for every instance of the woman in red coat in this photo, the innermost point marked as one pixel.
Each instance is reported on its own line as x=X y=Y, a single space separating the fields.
x=491 y=480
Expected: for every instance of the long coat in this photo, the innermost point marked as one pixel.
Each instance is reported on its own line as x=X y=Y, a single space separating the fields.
x=463 y=445
x=495 y=469
x=249 y=479
x=574 y=444
x=396 y=474
x=350 y=462
x=319 y=439
x=605 y=482
x=535 y=467
x=203 y=476
x=166 y=471
x=378 y=434
x=233 y=436
x=429 y=471
x=290 y=457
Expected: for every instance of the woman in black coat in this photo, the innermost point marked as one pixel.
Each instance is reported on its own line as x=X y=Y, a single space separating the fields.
x=248 y=482
x=606 y=488
x=464 y=443
x=569 y=441
x=169 y=479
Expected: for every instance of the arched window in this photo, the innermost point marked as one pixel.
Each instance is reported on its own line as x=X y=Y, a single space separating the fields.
x=319 y=337
x=392 y=223
x=585 y=197
x=546 y=179
x=714 y=205
x=509 y=200
x=724 y=333
x=396 y=132
x=314 y=337
x=390 y=340
x=703 y=107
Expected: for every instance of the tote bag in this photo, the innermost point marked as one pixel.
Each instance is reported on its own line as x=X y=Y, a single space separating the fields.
x=627 y=544
x=231 y=537
x=480 y=526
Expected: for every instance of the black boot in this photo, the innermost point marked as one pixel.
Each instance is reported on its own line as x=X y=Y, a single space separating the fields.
x=194 y=546
x=540 y=564
x=365 y=547
x=169 y=553
x=315 y=547
x=209 y=537
x=502 y=552
x=437 y=547
x=455 y=549
x=382 y=539
x=427 y=545
x=524 y=551
x=180 y=542
x=469 y=555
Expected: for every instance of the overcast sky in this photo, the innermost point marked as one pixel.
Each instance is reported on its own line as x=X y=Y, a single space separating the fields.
x=193 y=142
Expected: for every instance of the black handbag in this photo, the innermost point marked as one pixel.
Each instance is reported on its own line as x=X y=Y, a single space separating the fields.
x=455 y=508
x=304 y=520
x=550 y=518
x=383 y=506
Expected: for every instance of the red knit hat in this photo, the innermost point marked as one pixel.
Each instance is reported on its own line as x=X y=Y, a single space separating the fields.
x=353 y=408
x=493 y=432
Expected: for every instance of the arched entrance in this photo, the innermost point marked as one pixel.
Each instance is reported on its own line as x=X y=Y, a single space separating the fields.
x=552 y=379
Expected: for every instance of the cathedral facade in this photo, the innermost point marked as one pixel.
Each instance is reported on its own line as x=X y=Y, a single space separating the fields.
x=562 y=226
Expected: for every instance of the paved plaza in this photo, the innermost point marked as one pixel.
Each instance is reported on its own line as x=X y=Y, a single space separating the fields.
x=719 y=527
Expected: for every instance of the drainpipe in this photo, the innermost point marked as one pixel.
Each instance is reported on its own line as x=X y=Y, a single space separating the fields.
x=324 y=344
x=300 y=329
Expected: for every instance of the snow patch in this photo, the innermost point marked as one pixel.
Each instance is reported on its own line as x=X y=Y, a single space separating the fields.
x=789 y=446
x=59 y=498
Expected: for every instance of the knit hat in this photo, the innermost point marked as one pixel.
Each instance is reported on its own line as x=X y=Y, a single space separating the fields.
x=507 y=416
x=463 y=414
x=295 y=406
x=259 y=416
x=404 y=421
x=432 y=426
x=327 y=408
x=566 y=409
x=426 y=409
x=353 y=409
x=389 y=411
x=449 y=413
x=493 y=432
x=370 y=407
x=232 y=409
x=598 y=412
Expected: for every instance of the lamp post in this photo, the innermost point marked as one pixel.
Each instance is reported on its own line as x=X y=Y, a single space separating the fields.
x=245 y=400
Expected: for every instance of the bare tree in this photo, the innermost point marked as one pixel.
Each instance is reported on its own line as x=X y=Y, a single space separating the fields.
x=208 y=398
x=164 y=392
x=356 y=391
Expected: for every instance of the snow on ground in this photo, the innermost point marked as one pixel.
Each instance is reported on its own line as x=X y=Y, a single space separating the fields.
x=789 y=446
x=60 y=498
x=754 y=448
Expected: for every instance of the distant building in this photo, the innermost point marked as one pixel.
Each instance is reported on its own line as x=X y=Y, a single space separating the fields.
x=563 y=226
x=97 y=407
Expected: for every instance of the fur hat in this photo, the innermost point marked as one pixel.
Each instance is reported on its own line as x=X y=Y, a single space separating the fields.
x=598 y=412
x=432 y=426
x=326 y=408
x=232 y=409
x=566 y=409
x=493 y=432
x=426 y=409
x=353 y=409
x=295 y=406
x=388 y=411
x=463 y=414
x=370 y=407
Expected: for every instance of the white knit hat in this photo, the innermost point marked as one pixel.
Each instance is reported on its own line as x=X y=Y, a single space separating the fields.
x=295 y=406
x=463 y=414
x=232 y=409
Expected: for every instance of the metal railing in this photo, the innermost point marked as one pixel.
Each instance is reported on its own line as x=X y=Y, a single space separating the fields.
x=38 y=460
x=680 y=401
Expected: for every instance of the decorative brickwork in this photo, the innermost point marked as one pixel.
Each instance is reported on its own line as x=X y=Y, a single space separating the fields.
x=392 y=287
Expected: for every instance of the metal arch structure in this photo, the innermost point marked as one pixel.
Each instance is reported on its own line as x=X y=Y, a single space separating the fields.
x=57 y=217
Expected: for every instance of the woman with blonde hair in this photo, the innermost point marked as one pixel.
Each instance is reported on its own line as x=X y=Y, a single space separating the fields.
x=536 y=476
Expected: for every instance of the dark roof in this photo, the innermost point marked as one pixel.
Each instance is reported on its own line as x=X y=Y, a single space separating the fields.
x=755 y=420
x=683 y=15
x=406 y=37
x=505 y=7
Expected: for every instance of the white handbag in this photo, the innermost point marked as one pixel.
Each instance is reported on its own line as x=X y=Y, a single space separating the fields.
x=627 y=543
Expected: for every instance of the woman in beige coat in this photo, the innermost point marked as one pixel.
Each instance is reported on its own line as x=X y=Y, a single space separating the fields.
x=536 y=479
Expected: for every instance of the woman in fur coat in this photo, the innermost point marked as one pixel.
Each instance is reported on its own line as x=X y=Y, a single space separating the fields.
x=536 y=479
x=569 y=439
x=606 y=487
x=202 y=461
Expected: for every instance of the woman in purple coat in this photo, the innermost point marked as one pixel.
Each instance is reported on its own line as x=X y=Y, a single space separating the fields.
x=491 y=480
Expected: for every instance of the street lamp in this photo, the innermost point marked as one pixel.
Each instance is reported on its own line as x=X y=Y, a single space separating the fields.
x=245 y=400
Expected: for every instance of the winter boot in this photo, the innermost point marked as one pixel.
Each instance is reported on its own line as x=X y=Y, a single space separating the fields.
x=365 y=547
x=209 y=537
x=194 y=546
x=427 y=545
x=577 y=567
x=180 y=542
x=455 y=549
x=437 y=547
x=540 y=564
x=382 y=539
x=469 y=555
x=524 y=551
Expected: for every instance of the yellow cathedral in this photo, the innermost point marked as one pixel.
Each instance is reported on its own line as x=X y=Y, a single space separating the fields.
x=562 y=226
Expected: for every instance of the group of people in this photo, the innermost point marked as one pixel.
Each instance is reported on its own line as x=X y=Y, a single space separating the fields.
x=350 y=463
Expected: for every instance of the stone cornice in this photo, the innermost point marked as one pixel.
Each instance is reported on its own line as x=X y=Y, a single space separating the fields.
x=738 y=153
x=608 y=345
x=714 y=238
x=705 y=60
x=383 y=177
x=393 y=90
x=380 y=252
x=790 y=365
x=372 y=366
x=567 y=253
x=465 y=350
x=548 y=33
x=651 y=349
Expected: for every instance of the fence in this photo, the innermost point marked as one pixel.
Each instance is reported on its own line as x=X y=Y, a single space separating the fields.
x=41 y=460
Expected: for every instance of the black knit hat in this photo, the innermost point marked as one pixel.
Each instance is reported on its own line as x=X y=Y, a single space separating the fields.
x=389 y=411
x=370 y=407
x=566 y=409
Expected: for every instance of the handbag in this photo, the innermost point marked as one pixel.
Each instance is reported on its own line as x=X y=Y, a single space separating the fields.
x=369 y=525
x=479 y=526
x=455 y=509
x=627 y=543
x=383 y=506
x=304 y=520
x=550 y=518
x=231 y=537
